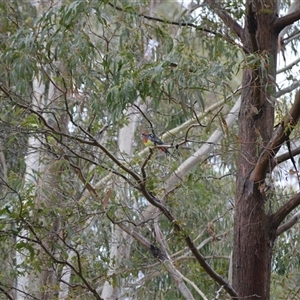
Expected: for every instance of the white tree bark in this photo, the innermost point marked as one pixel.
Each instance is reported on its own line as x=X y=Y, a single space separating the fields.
x=194 y=159
x=172 y=270
x=32 y=162
x=65 y=278
x=120 y=243
x=201 y=153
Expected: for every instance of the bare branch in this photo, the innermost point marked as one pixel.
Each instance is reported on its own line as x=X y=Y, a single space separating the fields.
x=284 y=227
x=285 y=156
x=191 y=162
x=236 y=27
x=279 y=137
x=227 y=19
x=288 y=89
x=286 y=20
x=144 y=115
x=295 y=35
x=220 y=280
x=185 y=24
x=178 y=228
x=56 y=259
x=289 y=66
x=189 y=282
x=174 y=273
x=6 y=293
x=137 y=236
x=24 y=294
x=284 y=210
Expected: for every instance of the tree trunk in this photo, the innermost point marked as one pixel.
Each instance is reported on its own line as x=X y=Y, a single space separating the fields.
x=120 y=243
x=253 y=234
x=32 y=162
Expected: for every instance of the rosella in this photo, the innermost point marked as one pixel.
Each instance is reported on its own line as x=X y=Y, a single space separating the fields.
x=150 y=139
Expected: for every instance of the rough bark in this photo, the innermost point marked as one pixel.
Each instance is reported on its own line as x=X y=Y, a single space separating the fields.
x=253 y=232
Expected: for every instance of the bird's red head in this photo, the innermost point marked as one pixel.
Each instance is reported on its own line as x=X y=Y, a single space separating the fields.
x=144 y=136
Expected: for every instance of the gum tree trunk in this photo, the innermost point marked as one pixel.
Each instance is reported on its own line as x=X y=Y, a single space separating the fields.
x=253 y=233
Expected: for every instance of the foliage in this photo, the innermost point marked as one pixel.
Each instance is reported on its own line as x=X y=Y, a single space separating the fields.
x=89 y=56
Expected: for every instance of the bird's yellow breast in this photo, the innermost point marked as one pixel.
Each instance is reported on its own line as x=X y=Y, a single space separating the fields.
x=148 y=142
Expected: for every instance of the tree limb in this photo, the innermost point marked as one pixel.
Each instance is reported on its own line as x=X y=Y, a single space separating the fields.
x=295 y=35
x=191 y=162
x=235 y=26
x=178 y=23
x=283 y=157
x=24 y=294
x=6 y=293
x=283 y=211
x=180 y=230
x=168 y=264
x=149 y=196
x=286 y=20
x=279 y=137
x=58 y=260
x=220 y=280
x=288 y=89
x=289 y=66
x=191 y=283
x=227 y=19
x=287 y=225
x=140 y=238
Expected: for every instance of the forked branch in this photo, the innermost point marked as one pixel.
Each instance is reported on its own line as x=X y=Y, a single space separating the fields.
x=284 y=157
x=286 y=20
x=283 y=211
x=290 y=223
x=280 y=136
x=227 y=19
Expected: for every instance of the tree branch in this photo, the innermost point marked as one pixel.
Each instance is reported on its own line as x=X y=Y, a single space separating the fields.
x=286 y=20
x=295 y=35
x=146 y=193
x=178 y=23
x=6 y=293
x=283 y=211
x=189 y=282
x=284 y=227
x=140 y=239
x=227 y=19
x=289 y=66
x=189 y=24
x=58 y=260
x=229 y=289
x=192 y=161
x=180 y=230
x=279 y=137
x=288 y=89
x=283 y=157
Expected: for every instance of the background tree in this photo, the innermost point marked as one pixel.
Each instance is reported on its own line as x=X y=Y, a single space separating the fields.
x=87 y=212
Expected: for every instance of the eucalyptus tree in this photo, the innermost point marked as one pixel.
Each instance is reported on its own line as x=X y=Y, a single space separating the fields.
x=87 y=212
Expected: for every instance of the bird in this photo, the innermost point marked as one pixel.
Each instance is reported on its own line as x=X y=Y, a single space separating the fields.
x=150 y=139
